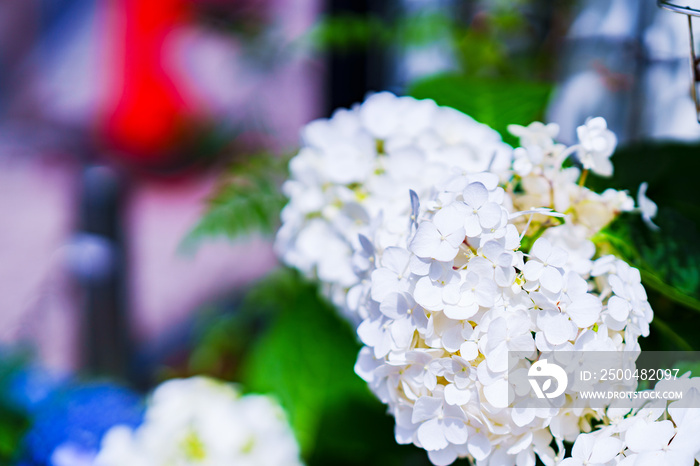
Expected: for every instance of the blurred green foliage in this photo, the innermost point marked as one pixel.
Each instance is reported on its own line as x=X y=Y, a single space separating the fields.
x=496 y=103
x=349 y=31
x=286 y=340
x=513 y=39
x=14 y=421
x=669 y=258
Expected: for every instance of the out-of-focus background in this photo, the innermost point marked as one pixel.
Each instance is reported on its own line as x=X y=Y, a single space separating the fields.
x=118 y=118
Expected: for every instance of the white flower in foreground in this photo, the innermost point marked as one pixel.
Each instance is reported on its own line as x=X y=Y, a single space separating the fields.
x=597 y=143
x=200 y=421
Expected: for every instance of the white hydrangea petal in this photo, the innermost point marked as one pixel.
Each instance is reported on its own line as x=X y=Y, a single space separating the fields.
x=384 y=282
x=475 y=195
x=645 y=436
x=455 y=430
x=366 y=364
x=541 y=249
x=497 y=333
x=533 y=270
x=442 y=457
x=497 y=393
x=394 y=305
x=606 y=449
x=522 y=343
x=551 y=279
x=431 y=435
x=426 y=240
x=486 y=293
x=497 y=358
x=490 y=215
x=455 y=396
x=452 y=338
x=402 y=332
x=523 y=415
x=571 y=462
x=460 y=312
x=427 y=294
x=472 y=225
x=454 y=239
x=450 y=219
x=426 y=407
x=479 y=446
x=395 y=259
x=469 y=350
x=618 y=308
x=557 y=327
x=584 y=310
x=557 y=257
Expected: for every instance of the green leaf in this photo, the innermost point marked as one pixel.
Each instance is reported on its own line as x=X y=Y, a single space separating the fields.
x=247 y=201
x=305 y=358
x=14 y=421
x=677 y=342
x=669 y=258
x=652 y=281
x=494 y=102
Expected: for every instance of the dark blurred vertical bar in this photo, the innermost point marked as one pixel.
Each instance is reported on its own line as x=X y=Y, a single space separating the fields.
x=640 y=66
x=356 y=70
x=102 y=274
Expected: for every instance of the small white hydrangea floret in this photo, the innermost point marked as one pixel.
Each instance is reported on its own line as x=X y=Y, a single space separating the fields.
x=597 y=144
x=203 y=421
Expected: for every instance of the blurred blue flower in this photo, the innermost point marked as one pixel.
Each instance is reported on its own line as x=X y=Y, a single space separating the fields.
x=30 y=387
x=72 y=421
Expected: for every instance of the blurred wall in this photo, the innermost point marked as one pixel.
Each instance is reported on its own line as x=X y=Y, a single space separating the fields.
x=55 y=80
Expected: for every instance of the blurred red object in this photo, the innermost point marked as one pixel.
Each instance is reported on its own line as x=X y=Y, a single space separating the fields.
x=146 y=117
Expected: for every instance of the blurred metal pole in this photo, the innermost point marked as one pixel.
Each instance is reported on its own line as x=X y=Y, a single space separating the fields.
x=694 y=72
x=99 y=266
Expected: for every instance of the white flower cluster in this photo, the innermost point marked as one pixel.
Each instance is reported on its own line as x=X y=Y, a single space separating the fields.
x=444 y=312
x=353 y=174
x=652 y=435
x=201 y=421
x=451 y=253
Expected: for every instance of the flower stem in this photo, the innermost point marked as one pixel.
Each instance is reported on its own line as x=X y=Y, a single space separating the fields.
x=584 y=175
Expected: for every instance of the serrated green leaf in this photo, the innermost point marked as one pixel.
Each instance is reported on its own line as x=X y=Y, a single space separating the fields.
x=247 y=201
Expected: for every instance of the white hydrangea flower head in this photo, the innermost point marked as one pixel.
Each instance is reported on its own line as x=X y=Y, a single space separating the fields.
x=449 y=252
x=352 y=174
x=204 y=422
x=445 y=310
